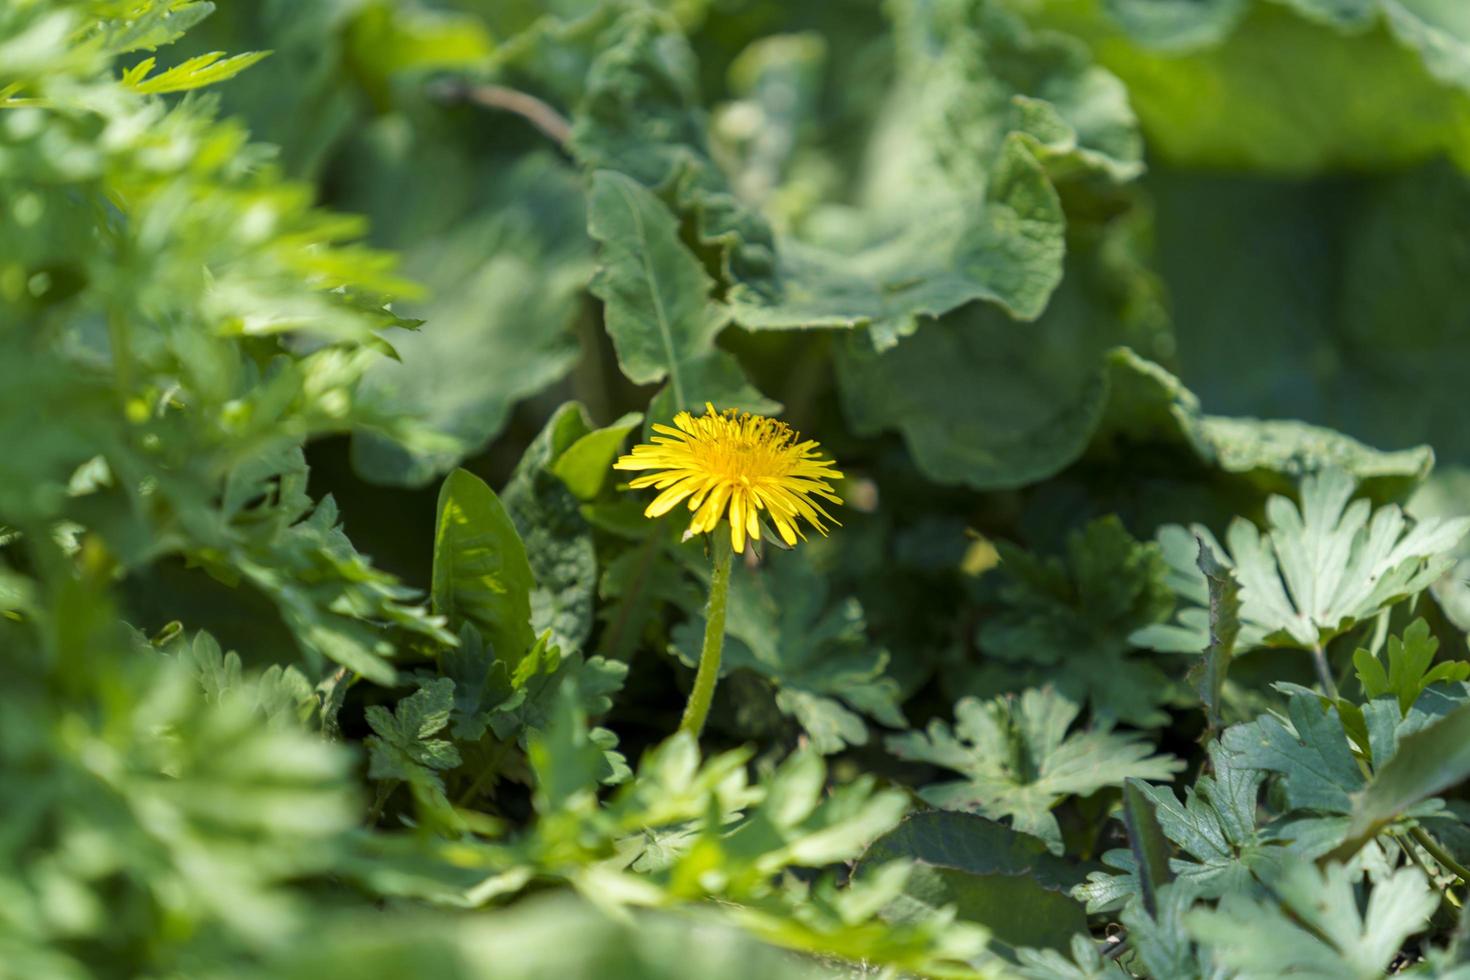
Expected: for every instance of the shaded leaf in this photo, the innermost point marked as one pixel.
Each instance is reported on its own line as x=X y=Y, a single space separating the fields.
x=1019 y=760
x=481 y=574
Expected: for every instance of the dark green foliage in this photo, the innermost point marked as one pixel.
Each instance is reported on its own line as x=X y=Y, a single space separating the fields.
x=274 y=275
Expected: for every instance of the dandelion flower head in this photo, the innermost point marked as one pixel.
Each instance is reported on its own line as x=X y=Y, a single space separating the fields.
x=736 y=463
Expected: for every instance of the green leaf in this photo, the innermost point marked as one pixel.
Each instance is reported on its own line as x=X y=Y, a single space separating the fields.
x=1208 y=676
x=1316 y=572
x=1313 y=754
x=402 y=746
x=656 y=294
x=337 y=605
x=586 y=464
x=1160 y=938
x=506 y=262
x=1427 y=761
x=971 y=72
x=1004 y=247
x=974 y=403
x=1086 y=963
x=1019 y=761
x=1148 y=404
x=557 y=540
x=1409 y=672
x=815 y=653
x=1146 y=839
x=1215 y=826
x=1312 y=926
x=1081 y=610
x=197 y=72
x=1439 y=31
x=481 y=575
x=1214 y=107
x=1006 y=881
x=1177 y=25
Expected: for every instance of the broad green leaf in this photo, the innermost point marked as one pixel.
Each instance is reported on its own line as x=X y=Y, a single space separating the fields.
x=657 y=304
x=971 y=72
x=656 y=294
x=1177 y=25
x=1355 y=296
x=1312 y=927
x=586 y=464
x=1004 y=247
x=1001 y=243
x=1006 y=881
x=1018 y=759
x=481 y=574
x=974 y=402
x=506 y=262
x=1148 y=404
x=1315 y=573
x=1222 y=107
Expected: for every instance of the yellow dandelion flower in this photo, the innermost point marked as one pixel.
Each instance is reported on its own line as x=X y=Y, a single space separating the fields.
x=740 y=464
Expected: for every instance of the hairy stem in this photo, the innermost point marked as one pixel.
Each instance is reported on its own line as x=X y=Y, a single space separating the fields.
x=1324 y=671
x=714 y=639
x=1437 y=851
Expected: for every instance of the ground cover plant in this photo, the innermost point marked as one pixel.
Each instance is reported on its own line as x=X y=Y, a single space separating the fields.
x=724 y=488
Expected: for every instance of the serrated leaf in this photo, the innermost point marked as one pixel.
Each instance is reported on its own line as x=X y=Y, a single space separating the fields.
x=557 y=540
x=816 y=653
x=1215 y=826
x=1019 y=760
x=1316 y=572
x=196 y=72
x=1425 y=762
x=403 y=746
x=1208 y=676
x=1409 y=672
x=1312 y=926
x=655 y=292
x=1313 y=754
x=1080 y=610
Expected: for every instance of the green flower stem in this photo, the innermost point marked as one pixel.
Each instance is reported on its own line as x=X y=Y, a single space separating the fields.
x=1438 y=852
x=714 y=639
